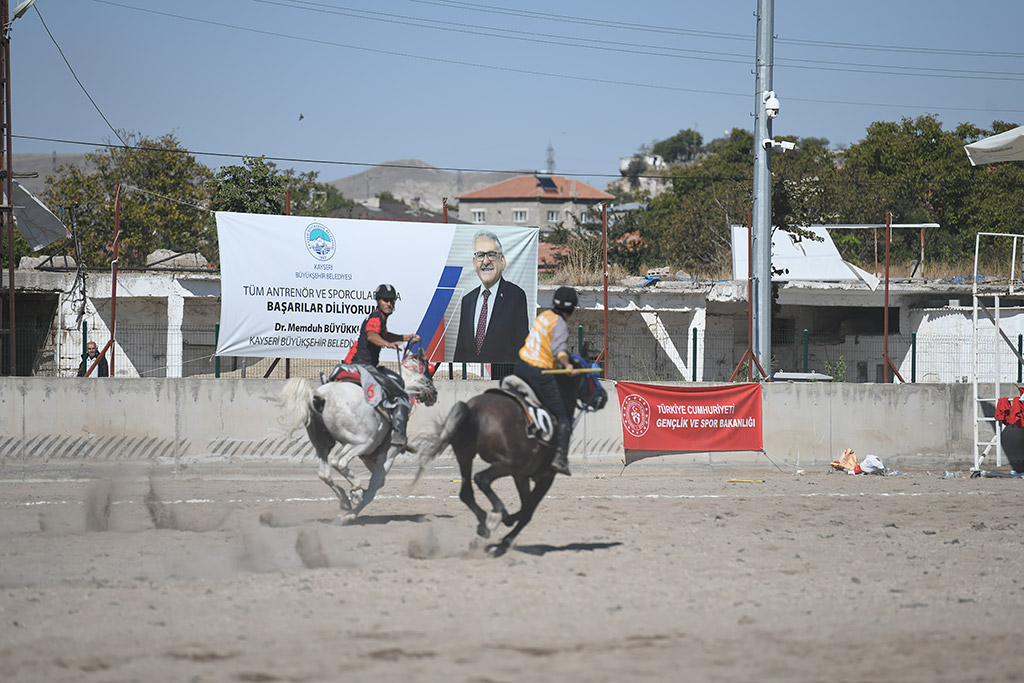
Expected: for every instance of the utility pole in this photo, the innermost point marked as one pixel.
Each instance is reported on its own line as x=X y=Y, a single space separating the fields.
x=761 y=303
x=7 y=209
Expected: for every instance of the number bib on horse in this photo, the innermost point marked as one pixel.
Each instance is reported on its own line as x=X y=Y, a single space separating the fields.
x=539 y=423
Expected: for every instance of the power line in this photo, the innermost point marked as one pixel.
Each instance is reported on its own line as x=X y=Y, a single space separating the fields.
x=529 y=72
x=620 y=25
x=77 y=79
x=498 y=32
x=980 y=179
x=440 y=60
x=628 y=48
x=296 y=160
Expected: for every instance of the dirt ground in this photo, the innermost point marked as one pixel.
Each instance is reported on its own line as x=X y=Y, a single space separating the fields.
x=655 y=572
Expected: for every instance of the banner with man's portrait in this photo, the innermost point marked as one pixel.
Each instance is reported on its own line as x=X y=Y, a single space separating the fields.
x=300 y=287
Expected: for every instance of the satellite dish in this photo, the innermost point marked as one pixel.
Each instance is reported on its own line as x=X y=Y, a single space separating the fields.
x=22 y=8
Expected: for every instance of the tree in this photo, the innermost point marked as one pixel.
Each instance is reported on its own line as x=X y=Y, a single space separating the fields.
x=312 y=198
x=259 y=187
x=163 y=201
x=254 y=187
x=21 y=248
x=920 y=173
x=636 y=168
x=683 y=146
x=688 y=226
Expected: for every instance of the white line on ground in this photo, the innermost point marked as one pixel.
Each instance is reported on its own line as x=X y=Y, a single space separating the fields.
x=652 y=496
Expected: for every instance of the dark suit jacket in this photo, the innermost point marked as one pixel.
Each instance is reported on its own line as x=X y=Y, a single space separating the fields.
x=506 y=332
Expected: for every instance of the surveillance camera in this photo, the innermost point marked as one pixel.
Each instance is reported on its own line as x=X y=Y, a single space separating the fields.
x=771 y=104
x=778 y=145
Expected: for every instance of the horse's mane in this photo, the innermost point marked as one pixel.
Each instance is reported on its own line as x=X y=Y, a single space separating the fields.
x=416 y=376
x=414 y=381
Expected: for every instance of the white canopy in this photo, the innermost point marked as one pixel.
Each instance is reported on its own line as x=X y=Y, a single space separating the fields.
x=1008 y=146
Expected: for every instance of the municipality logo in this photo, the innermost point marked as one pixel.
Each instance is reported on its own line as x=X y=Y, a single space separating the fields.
x=320 y=241
x=636 y=415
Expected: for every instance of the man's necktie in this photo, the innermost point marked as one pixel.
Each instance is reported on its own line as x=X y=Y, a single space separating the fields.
x=481 y=324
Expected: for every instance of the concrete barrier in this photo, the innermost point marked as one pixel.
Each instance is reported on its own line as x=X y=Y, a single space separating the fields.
x=56 y=422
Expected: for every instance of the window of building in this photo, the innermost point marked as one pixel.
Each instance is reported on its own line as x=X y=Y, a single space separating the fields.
x=552 y=216
x=518 y=215
x=479 y=216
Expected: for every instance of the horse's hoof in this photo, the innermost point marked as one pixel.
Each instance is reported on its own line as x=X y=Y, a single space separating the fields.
x=483 y=532
x=494 y=520
x=344 y=519
x=497 y=549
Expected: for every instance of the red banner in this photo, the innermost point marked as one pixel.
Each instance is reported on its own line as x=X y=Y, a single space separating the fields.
x=659 y=418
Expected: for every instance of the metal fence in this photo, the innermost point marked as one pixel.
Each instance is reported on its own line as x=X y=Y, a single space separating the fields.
x=636 y=354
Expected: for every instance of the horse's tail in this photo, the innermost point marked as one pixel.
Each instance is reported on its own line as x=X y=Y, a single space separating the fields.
x=456 y=420
x=296 y=399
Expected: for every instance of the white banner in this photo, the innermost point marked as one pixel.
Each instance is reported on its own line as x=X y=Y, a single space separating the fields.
x=300 y=287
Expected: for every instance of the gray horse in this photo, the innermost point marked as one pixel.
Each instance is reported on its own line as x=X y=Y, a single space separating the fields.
x=338 y=413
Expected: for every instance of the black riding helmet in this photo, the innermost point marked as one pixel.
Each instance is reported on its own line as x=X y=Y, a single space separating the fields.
x=565 y=300
x=386 y=291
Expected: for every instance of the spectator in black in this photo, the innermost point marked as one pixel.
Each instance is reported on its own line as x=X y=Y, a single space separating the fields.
x=90 y=355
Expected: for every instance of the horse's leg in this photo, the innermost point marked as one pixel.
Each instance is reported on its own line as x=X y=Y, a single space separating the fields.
x=379 y=464
x=342 y=457
x=543 y=483
x=323 y=442
x=483 y=480
x=523 y=487
x=465 y=458
x=326 y=477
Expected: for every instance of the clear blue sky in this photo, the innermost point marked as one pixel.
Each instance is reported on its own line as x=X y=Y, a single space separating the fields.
x=488 y=86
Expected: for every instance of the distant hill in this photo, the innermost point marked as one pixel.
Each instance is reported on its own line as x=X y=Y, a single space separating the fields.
x=411 y=181
x=416 y=183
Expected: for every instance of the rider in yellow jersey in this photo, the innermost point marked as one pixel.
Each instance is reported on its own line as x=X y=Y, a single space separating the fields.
x=546 y=349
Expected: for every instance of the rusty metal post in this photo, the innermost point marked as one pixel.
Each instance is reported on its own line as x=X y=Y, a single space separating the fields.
x=604 y=240
x=113 y=273
x=921 y=265
x=8 y=184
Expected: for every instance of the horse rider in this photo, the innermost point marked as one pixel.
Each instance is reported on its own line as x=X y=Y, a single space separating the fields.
x=374 y=336
x=545 y=349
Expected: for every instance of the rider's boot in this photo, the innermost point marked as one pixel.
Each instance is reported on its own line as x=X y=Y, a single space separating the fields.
x=399 y=422
x=560 y=463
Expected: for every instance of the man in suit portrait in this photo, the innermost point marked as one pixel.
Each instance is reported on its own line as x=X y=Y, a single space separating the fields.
x=493 y=321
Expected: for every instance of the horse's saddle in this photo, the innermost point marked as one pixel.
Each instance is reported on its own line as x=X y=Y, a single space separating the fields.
x=383 y=389
x=540 y=425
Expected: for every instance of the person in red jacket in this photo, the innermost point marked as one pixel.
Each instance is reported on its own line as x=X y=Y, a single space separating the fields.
x=374 y=336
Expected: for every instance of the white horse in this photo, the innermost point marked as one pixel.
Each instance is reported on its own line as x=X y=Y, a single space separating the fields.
x=346 y=418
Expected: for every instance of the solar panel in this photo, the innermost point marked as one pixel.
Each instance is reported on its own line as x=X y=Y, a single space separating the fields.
x=547 y=183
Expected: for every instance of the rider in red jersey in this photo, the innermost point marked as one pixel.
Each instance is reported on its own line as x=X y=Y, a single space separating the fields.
x=374 y=336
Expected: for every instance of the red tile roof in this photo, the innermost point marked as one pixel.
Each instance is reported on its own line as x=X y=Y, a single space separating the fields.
x=529 y=187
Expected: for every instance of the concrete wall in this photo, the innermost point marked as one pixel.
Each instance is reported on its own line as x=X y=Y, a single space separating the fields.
x=57 y=423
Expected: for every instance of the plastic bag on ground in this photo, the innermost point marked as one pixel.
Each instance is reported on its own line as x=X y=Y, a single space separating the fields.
x=872 y=464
